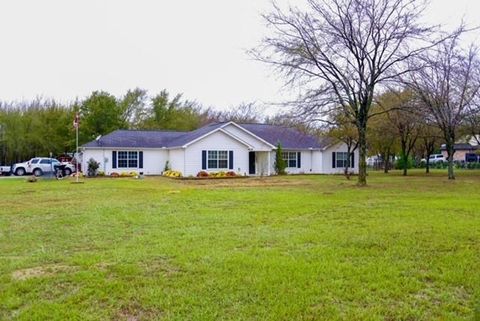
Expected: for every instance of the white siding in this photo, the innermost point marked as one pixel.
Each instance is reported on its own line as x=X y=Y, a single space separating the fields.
x=177 y=160
x=153 y=161
x=97 y=154
x=257 y=144
x=327 y=159
x=317 y=162
x=215 y=141
x=311 y=162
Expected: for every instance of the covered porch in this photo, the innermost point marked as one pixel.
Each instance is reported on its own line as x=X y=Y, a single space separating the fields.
x=260 y=163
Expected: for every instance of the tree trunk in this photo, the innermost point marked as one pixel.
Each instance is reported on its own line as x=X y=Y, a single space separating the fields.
x=427 y=168
x=386 y=161
x=450 y=152
x=347 y=174
x=362 y=145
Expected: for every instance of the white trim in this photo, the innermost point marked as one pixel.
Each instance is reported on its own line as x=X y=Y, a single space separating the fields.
x=218 y=160
x=127 y=159
x=139 y=148
x=249 y=132
x=220 y=129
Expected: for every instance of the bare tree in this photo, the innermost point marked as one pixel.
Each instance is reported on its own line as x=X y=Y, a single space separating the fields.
x=473 y=124
x=243 y=113
x=340 y=51
x=429 y=137
x=447 y=82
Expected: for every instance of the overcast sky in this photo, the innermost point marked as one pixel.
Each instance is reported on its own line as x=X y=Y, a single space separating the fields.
x=64 y=49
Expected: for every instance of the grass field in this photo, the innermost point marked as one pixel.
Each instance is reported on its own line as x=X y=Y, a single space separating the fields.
x=290 y=248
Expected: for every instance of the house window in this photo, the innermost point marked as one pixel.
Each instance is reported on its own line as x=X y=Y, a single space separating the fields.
x=290 y=159
x=127 y=159
x=217 y=159
x=342 y=159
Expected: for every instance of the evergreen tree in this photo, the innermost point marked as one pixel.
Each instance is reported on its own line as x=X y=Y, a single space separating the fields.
x=280 y=164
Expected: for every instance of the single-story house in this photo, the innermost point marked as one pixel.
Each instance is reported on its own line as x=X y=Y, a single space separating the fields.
x=247 y=149
x=464 y=152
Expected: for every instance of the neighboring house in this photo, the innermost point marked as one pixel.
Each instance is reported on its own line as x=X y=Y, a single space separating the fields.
x=463 y=152
x=247 y=149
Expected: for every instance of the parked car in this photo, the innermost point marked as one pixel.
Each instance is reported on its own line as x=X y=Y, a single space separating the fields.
x=435 y=158
x=5 y=170
x=39 y=165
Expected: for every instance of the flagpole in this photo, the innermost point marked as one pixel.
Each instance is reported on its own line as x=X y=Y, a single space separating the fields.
x=77 y=157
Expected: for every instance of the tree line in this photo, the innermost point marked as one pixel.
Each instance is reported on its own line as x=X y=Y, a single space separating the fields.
x=43 y=126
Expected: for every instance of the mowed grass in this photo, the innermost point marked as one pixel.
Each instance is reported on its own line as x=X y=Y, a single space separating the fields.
x=280 y=248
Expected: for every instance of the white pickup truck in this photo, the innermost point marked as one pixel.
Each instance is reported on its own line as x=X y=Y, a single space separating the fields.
x=5 y=170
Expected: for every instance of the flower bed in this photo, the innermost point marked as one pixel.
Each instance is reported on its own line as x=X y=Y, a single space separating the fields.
x=173 y=174
x=215 y=175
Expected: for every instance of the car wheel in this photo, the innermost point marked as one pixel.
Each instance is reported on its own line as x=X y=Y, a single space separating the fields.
x=67 y=172
x=37 y=172
x=20 y=171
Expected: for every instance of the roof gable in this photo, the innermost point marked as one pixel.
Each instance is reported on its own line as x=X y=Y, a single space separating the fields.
x=289 y=138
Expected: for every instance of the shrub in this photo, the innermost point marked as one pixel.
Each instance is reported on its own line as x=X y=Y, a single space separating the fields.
x=440 y=165
x=400 y=163
x=231 y=174
x=202 y=174
x=280 y=164
x=100 y=173
x=114 y=174
x=92 y=167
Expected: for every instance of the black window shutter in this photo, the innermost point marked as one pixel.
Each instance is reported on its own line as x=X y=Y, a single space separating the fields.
x=352 y=165
x=114 y=159
x=299 y=160
x=230 y=159
x=140 y=159
x=334 y=160
x=204 y=159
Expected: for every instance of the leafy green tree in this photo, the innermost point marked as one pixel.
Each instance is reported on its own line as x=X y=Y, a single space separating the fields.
x=133 y=107
x=383 y=140
x=100 y=114
x=402 y=115
x=172 y=114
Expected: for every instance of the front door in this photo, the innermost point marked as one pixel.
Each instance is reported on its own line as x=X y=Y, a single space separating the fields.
x=251 y=163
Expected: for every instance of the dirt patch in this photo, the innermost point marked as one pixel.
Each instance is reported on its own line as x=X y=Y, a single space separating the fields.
x=160 y=265
x=42 y=271
x=135 y=312
x=249 y=182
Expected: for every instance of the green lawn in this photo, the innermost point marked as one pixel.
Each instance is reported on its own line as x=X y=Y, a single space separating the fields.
x=290 y=248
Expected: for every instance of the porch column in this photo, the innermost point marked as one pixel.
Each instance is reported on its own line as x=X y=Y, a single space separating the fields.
x=268 y=162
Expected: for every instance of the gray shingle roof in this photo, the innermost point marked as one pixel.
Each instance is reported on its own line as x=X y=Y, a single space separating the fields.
x=288 y=137
x=462 y=146
x=135 y=138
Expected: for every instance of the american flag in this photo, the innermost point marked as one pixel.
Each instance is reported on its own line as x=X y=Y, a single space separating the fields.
x=76 y=121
